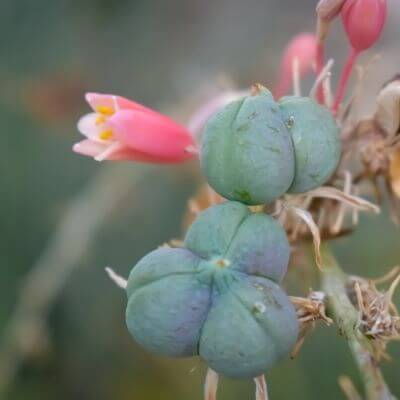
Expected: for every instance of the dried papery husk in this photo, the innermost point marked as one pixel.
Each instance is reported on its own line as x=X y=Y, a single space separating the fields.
x=175 y=243
x=309 y=310
x=307 y=218
x=324 y=75
x=388 y=108
x=357 y=100
x=261 y=388
x=378 y=316
x=211 y=385
x=333 y=193
x=342 y=207
x=296 y=77
x=394 y=172
x=328 y=208
x=117 y=279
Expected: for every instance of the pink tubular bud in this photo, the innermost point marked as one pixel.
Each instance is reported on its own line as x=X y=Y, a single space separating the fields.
x=363 y=21
x=301 y=49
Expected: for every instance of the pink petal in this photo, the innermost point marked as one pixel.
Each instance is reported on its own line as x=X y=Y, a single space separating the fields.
x=97 y=100
x=153 y=134
x=94 y=149
x=88 y=127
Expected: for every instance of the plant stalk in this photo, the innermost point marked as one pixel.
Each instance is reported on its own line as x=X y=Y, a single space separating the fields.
x=344 y=79
x=345 y=315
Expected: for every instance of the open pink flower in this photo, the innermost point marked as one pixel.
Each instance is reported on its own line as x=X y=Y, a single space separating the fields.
x=301 y=50
x=363 y=21
x=120 y=129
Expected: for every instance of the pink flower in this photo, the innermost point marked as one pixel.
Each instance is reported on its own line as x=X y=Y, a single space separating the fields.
x=120 y=129
x=363 y=21
x=301 y=50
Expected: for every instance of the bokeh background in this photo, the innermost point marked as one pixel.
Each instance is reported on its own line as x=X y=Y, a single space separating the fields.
x=170 y=55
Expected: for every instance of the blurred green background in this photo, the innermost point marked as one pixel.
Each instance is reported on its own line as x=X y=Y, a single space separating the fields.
x=169 y=55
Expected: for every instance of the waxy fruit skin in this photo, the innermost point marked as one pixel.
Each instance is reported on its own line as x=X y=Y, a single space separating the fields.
x=316 y=142
x=255 y=150
x=218 y=296
x=247 y=152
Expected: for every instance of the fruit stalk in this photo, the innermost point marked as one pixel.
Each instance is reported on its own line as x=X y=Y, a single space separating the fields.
x=345 y=78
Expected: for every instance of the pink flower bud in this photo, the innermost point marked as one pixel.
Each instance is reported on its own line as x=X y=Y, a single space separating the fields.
x=363 y=21
x=120 y=129
x=301 y=49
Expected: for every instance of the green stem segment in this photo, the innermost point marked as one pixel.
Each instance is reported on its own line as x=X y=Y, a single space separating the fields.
x=345 y=316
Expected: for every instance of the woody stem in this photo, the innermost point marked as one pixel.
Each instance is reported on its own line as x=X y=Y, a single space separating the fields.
x=345 y=315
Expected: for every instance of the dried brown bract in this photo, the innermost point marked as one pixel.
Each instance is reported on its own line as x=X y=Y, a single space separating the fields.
x=324 y=213
x=379 y=318
x=309 y=310
x=374 y=142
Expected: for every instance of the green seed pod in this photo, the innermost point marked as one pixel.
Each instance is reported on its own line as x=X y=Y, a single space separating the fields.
x=219 y=297
x=247 y=152
x=316 y=141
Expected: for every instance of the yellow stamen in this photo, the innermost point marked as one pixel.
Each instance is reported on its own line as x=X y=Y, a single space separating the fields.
x=100 y=119
x=105 y=110
x=105 y=135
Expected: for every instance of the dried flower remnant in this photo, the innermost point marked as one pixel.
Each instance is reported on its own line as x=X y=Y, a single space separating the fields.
x=379 y=318
x=387 y=112
x=374 y=142
x=120 y=129
x=211 y=385
x=325 y=211
x=309 y=310
x=394 y=173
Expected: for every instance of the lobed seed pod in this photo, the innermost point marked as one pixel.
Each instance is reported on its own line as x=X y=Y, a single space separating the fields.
x=247 y=151
x=219 y=297
x=316 y=141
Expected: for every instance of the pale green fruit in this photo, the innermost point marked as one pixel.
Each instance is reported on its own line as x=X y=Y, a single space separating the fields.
x=247 y=151
x=316 y=142
x=219 y=297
